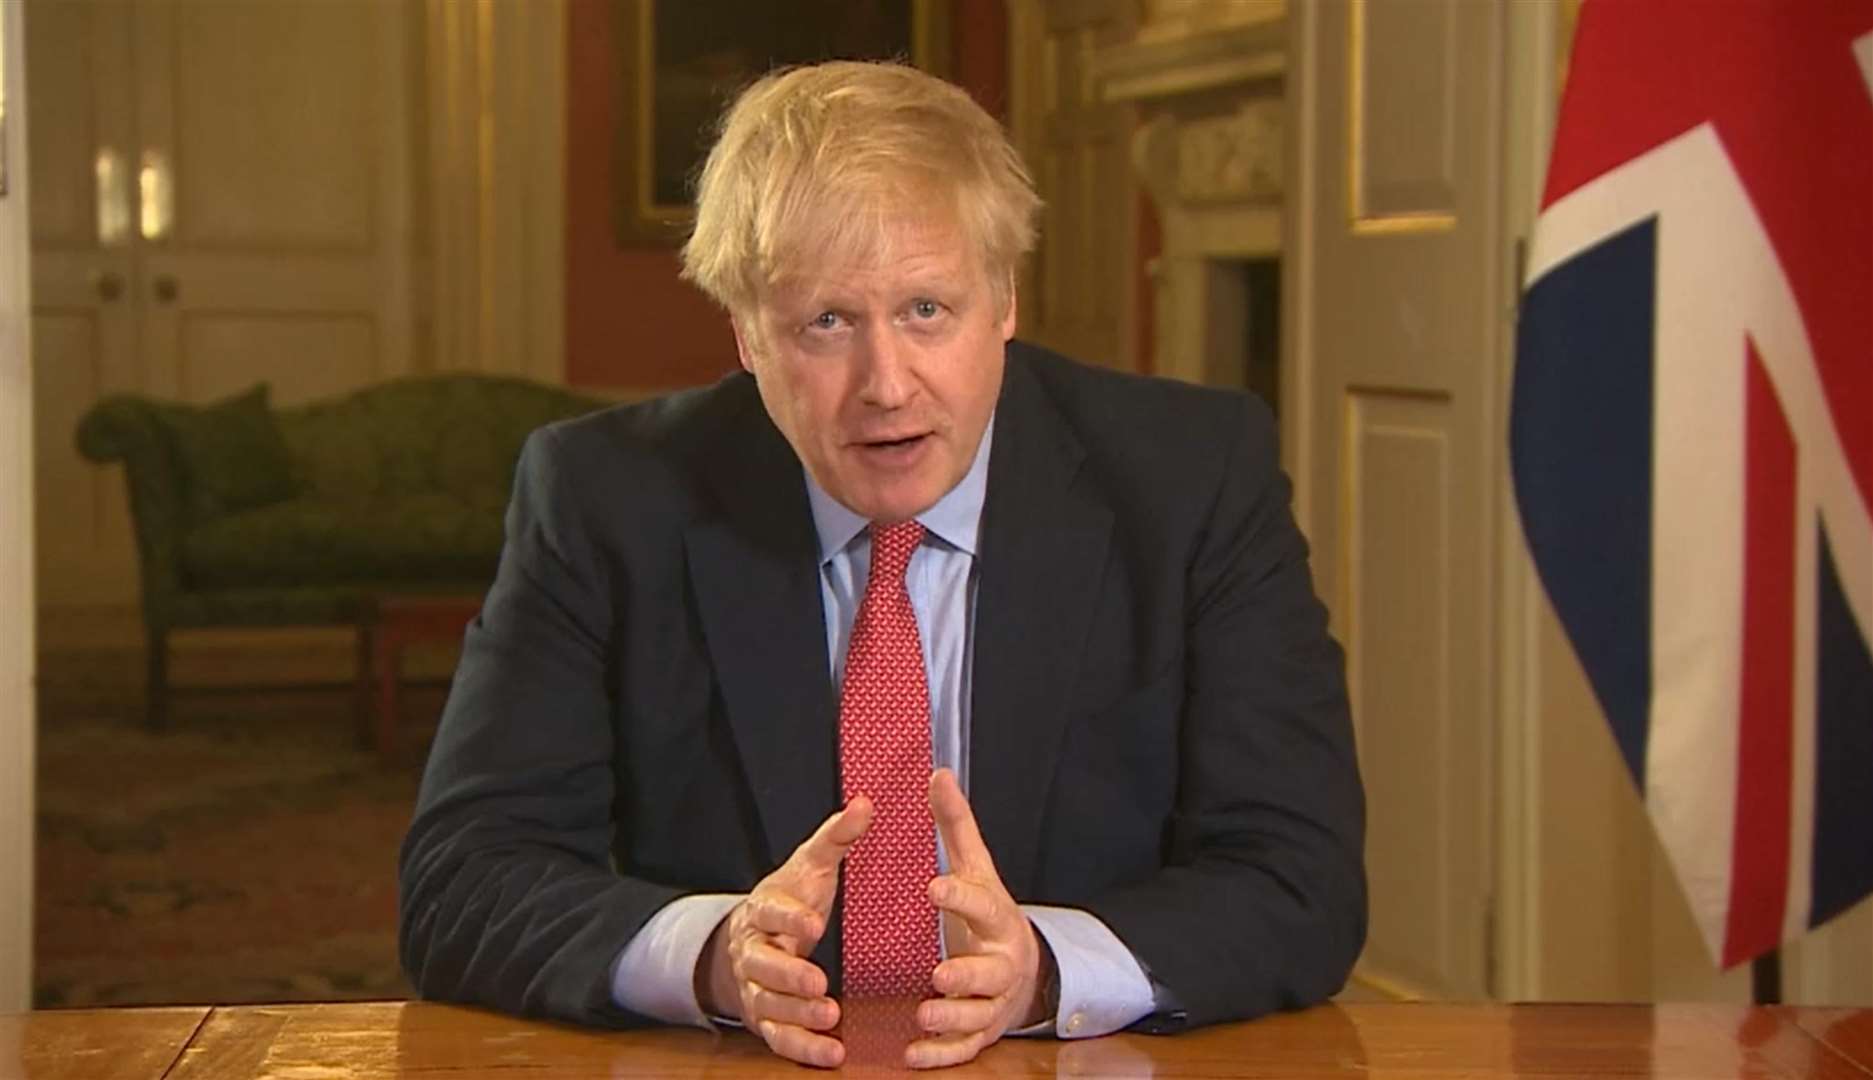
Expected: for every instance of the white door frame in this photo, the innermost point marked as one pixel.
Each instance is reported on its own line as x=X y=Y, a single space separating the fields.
x=1528 y=128
x=17 y=713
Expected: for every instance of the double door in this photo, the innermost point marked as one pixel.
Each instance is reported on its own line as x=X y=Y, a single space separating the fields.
x=221 y=196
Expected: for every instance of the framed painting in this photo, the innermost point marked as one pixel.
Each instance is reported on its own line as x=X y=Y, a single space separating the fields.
x=681 y=61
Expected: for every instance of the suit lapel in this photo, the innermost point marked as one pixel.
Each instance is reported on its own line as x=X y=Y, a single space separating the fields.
x=754 y=566
x=1043 y=550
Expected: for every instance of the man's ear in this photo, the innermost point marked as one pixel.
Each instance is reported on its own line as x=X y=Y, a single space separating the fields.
x=742 y=348
x=1009 y=321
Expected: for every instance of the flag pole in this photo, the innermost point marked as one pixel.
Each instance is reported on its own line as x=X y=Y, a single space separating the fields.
x=1765 y=978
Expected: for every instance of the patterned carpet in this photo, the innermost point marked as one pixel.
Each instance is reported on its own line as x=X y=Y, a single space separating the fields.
x=247 y=855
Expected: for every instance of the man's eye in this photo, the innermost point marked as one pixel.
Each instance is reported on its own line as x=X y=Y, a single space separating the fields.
x=825 y=320
x=926 y=309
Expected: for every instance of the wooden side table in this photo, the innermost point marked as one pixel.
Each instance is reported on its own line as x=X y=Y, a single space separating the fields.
x=387 y=625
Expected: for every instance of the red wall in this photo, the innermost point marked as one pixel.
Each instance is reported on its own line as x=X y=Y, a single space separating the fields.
x=979 y=63
x=630 y=323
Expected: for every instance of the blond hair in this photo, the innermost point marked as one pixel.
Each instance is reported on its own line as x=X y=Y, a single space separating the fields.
x=811 y=162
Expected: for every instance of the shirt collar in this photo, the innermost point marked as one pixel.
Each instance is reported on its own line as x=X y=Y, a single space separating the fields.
x=956 y=518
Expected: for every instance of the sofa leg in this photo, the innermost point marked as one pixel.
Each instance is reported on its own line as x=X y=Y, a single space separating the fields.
x=156 y=682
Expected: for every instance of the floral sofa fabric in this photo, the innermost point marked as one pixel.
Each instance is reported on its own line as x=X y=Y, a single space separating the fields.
x=250 y=516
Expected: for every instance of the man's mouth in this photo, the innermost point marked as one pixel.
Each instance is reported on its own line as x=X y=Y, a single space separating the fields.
x=893 y=442
x=897 y=451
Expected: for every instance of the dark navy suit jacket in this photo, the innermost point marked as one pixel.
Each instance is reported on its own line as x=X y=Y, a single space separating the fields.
x=643 y=708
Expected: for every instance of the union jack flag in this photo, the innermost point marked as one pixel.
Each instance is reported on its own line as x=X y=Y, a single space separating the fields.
x=1692 y=436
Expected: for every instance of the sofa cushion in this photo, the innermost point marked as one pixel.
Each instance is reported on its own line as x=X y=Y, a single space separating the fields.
x=230 y=454
x=455 y=434
x=413 y=538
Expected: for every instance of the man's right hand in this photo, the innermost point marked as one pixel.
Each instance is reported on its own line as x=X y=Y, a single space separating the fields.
x=755 y=965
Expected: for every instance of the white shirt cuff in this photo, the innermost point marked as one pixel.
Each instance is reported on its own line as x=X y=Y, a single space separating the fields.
x=655 y=975
x=1102 y=986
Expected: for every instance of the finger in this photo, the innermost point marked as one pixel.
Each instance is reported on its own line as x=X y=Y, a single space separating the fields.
x=770 y=966
x=988 y=912
x=941 y=1050
x=958 y=1016
x=973 y=976
x=774 y=911
x=835 y=836
x=956 y=823
x=798 y=1044
x=812 y=1013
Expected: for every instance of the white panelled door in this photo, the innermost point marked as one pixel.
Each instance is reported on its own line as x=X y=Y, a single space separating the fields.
x=222 y=197
x=1398 y=312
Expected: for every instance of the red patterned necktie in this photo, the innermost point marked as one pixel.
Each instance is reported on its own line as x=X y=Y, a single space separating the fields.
x=890 y=927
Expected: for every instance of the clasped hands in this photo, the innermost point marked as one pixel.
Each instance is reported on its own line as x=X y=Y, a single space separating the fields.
x=755 y=966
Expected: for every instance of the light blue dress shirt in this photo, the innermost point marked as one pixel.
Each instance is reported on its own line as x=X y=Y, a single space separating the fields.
x=1102 y=986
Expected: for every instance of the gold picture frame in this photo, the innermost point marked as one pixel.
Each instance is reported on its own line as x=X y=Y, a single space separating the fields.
x=680 y=62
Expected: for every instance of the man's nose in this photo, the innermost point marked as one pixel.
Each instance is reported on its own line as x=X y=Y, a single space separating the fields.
x=886 y=380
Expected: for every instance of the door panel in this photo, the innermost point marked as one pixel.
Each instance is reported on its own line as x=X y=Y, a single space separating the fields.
x=64 y=47
x=83 y=266
x=1405 y=134
x=1403 y=607
x=266 y=123
x=286 y=166
x=81 y=511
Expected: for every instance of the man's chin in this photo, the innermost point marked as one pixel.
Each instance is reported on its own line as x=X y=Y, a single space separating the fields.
x=892 y=514
x=892 y=506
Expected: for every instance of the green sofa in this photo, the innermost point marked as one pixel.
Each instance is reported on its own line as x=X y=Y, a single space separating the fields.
x=250 y=516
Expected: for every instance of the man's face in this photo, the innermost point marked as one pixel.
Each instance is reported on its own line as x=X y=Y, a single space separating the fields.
x=883 y=377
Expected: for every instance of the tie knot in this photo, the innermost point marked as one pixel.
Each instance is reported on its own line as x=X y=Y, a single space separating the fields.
x=891 y=547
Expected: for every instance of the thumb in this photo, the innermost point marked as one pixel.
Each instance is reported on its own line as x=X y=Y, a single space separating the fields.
x=835 y=836
x=956 y=824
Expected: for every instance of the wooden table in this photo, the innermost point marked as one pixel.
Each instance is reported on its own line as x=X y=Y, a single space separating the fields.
x=1397 y=1042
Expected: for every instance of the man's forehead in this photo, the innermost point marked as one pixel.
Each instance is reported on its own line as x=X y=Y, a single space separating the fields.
x=932 y=260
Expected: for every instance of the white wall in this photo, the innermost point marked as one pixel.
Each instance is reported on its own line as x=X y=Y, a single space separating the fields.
x=17 y=714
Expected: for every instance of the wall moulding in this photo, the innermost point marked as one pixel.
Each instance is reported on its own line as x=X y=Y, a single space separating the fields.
x=1148 y=69
x=1209 y=151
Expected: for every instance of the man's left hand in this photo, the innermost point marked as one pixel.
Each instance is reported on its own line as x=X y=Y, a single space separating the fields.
x=991 y=981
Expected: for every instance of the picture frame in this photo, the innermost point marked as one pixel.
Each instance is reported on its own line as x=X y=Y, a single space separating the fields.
x=680 y=62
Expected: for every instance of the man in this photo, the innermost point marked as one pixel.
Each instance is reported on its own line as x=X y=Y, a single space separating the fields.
x=906 y=617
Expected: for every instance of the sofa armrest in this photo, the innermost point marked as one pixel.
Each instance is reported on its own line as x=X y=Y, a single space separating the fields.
x=126 y=428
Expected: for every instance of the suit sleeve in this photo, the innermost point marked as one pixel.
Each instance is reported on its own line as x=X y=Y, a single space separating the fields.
x=1261 y=903
x=507 y=894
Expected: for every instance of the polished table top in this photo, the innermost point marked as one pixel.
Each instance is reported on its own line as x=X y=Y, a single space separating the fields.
x=1402 y=1042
